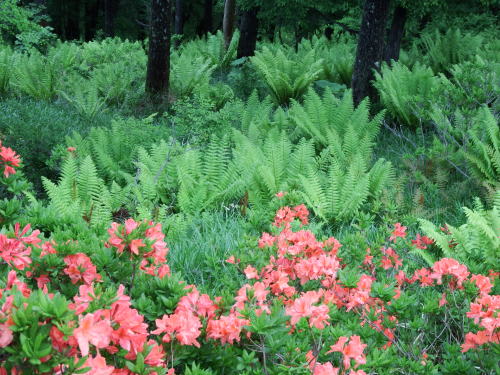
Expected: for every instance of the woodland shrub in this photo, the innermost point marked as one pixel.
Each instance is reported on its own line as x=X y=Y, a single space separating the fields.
x=107 y=302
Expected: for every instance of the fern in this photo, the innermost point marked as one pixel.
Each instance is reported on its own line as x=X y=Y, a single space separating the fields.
x=208 y=179
x=336 y=124
x=287 y=78
x=406 y=92
x=188 y=73
x=212 y=48
x=476 y=242
x=339 y=193
x=35 y=76
x=80 y=194
x=86 y=99
x=6 y=61
x=483 y=153
x=443 y=51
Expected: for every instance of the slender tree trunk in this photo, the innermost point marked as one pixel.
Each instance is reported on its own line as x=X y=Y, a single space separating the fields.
x=179 y=17
x=110 y=10
x=370 y=49
x=81 y=19
x=92 y=19
x=158 y=72
x=395 y=34
x=206 y=22
x=248 y=32
x=228 y=23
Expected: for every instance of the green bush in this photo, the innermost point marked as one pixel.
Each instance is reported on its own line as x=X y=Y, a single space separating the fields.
x=286 y=77
x=35 y=76
x=475 y=243
x=35 y=128
x=406 y=93
x=442 y=51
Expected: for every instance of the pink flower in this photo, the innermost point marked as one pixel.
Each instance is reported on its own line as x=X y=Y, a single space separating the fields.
x=80 y=268
x=227 y=329
x=6 y=336
x=182 y=325
x=399 y=231
x=92 y=330
x=325 y=369
x=98 y=366
x=9 y=159
x=251 y=273
x=353 y=350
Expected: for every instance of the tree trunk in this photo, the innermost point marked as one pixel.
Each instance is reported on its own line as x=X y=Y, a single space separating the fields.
x=370 y=49
x=206 y=23
x=179 y=17
x=158 y=72
x=395 y=34
x=248 y=32
x=179 y=20
x=81 y=19
x=228 y=23
x=110 y=11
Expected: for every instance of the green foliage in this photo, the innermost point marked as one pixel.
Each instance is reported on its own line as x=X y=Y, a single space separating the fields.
x=212 y=48
x=271 y=165
x=18 y=26
x=114 y=149
x=5 y=69
x=188 y=73
x=471 y=84
x=85 y=99
x=208 y=178
x=337 y=57
x=35 y=128
x=81 y=194
x=112 y=50
x=337 y=124
x=119 y=83
x=483 y=153
x=475 y=243
x=405 y=92
x=286 y=77
x=35 y=76
x=443 y=50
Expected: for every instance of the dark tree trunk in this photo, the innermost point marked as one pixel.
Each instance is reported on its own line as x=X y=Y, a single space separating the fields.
x=395 y=34
x=159 y=49
x=179 y=17
x=110 y=11
x=228 y=22
x=328 y=32
x=81 y=19
x=248 y=32
x=91 y=20
x=179 y=21
x=370 y=49
x=206 y=22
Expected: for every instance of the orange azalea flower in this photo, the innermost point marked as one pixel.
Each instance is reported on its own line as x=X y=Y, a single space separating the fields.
x=92 y=330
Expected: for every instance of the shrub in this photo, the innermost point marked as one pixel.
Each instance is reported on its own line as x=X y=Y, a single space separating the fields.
x=443 y=51
x=35 y=128
x=188 y=73
x=286 y=78
x=483 y=153
x=406 y=93
x=6 y=63
x=475 y=243
x=35 y=77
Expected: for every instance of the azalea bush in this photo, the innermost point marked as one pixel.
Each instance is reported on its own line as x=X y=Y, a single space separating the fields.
x=308 y=306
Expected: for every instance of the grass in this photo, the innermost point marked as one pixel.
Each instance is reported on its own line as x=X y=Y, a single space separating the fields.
x=199 y=255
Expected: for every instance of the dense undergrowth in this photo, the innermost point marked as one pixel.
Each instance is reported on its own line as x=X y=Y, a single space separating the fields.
x=383 y=257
